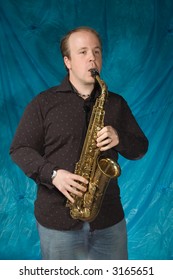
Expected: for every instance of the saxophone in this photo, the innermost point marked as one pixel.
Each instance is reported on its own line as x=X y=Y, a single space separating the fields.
x=91 y=165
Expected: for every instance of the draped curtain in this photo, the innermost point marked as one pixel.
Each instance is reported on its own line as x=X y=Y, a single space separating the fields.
x=137 y=63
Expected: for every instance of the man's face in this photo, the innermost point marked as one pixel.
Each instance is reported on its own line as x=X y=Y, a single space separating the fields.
x=85 y=54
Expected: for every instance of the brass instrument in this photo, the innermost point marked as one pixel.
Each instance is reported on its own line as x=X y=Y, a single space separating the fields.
x=97 y=170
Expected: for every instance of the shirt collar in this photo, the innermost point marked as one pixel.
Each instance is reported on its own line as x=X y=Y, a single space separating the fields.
x=66 y=86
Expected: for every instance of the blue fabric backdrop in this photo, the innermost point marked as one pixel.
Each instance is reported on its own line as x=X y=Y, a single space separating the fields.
x=138 y=64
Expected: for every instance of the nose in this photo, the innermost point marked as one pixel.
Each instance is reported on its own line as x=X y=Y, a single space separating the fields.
x=92 y=56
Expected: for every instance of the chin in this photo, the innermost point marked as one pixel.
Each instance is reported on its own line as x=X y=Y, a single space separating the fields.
x=90 y=81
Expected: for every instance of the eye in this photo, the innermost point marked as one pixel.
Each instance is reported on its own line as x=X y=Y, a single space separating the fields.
x=82 y=52
x=97 y=52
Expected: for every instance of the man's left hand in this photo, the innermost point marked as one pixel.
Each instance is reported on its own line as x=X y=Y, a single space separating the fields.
x=107 y=138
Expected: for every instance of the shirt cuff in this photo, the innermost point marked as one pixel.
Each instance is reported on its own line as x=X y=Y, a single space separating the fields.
x=45 y=175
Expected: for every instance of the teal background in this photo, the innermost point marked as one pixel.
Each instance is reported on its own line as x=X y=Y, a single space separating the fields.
x=137 y=63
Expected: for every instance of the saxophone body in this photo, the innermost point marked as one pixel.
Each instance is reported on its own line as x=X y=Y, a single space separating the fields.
x=91 y=165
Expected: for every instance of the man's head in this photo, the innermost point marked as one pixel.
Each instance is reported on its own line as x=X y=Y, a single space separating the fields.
x=81 y=49
x=64 y=45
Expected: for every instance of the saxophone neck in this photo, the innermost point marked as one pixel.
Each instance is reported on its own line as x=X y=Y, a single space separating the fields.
x=95 y=74
x=102 y=86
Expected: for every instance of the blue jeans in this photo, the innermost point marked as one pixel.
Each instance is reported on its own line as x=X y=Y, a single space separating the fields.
x=105 y=244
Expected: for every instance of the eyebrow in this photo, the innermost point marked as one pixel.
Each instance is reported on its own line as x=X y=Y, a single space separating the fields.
x=85 y=48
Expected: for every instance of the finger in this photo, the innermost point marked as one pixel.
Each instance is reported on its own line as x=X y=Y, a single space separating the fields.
x=68 y=190
x=74 y=191
x=79 y=178
x=69 y=197
x=76 y=185
x=105 y=148
x=104 y=136
x=106 y=142
x=105 y=129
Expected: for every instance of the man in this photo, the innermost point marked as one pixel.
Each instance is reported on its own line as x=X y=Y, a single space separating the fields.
x=48 y=144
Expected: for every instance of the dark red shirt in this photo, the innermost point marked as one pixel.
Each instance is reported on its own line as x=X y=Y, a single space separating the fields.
x=50 y=136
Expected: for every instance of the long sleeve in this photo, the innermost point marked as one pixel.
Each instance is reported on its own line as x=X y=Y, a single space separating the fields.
x=27 y=148
x=133 y=144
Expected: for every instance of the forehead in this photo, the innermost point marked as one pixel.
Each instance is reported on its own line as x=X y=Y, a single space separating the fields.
x=83 y=38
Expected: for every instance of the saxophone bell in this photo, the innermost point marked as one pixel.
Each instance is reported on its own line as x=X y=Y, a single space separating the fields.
x=106 y=169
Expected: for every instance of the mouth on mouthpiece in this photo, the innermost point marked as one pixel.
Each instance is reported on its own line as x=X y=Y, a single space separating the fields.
x=94 y=72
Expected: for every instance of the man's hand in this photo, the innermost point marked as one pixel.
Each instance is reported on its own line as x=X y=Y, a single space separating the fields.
x=67 y=182
x=107 y=138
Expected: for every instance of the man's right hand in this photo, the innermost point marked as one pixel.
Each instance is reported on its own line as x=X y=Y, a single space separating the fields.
x=67 y=182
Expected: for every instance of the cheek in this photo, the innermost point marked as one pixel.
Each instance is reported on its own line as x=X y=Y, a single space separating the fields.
x=100 y=63
x=78 y=65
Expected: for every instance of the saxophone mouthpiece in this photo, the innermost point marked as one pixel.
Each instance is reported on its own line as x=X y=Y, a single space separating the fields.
x=94 y=72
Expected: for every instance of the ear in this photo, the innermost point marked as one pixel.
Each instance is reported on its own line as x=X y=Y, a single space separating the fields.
x=67 y=62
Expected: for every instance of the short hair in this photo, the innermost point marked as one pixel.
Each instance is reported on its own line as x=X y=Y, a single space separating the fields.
x=64 y=46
